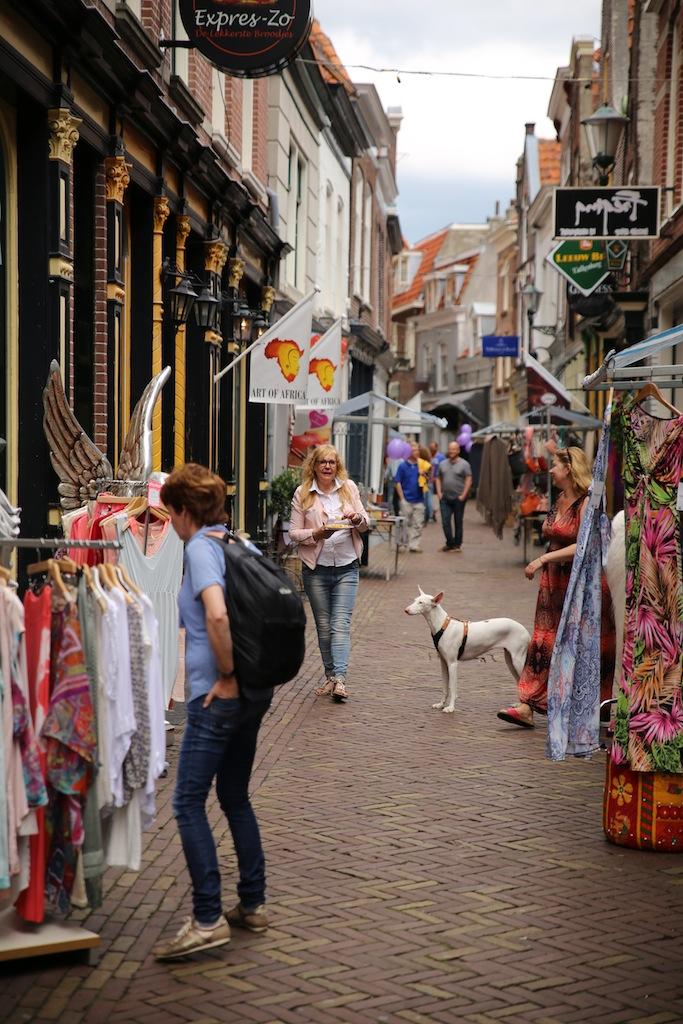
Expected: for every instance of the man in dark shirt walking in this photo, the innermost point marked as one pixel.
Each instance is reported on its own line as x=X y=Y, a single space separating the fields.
x=453 y=482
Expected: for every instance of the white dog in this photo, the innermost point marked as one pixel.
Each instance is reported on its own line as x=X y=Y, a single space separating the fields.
x=463 y=641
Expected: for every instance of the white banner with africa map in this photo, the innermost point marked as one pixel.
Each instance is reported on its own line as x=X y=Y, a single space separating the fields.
x=324 y=369
x=279 y=361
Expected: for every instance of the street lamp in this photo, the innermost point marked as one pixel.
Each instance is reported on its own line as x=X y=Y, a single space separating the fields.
x=604 y=129
x=206 y=309
x=532 y=298
x=181 y=300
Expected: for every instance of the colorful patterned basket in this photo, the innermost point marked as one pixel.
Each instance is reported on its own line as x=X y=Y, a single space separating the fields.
x=643 y=809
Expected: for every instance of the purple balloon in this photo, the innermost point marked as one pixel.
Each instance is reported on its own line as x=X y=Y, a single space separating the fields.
x=407 y=450
x=465 y=429
x=395 y=448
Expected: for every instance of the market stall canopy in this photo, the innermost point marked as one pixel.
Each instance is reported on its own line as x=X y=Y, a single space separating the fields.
x=562 y=417
x=470 y=404
x=360 y=402
x=614 y=370
x=502 y=427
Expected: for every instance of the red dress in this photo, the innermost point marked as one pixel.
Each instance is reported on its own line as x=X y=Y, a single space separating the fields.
x=560 y=529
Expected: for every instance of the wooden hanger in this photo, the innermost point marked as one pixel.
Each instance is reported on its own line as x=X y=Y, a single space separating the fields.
x=111 y=580
x=65 y=565
x=125 y=577
x=90 y=583
x=5 y=575
x=650 y=390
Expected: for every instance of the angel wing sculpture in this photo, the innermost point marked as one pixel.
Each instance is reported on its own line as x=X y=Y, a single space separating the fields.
x=83 y=471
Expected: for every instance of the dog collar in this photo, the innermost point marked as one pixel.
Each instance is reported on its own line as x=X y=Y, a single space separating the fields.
x=436 y=637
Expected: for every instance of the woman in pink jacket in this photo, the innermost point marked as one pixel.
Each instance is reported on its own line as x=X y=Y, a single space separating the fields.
x=327 y=520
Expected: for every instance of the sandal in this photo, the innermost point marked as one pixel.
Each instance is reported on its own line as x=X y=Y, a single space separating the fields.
x=513 y=717
x=326 y=689
x=339 y=692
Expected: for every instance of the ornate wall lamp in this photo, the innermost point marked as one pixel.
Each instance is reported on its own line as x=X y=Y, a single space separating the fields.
x=188 y=294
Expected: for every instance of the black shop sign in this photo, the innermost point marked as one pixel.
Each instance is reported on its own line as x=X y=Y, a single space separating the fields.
x=624 y=212
x=249 y=39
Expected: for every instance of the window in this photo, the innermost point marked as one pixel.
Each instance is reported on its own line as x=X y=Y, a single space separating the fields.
x=247 y=123
x=357 y=232
x=179 y=55
x=296 y=218
x=367 y=244
x=328 y=255
x=674 y=117
x=218 y=117
x=340 y=289
x=443 y=366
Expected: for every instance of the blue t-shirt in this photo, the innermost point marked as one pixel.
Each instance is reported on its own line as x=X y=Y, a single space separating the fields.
x=407 y=476
x=204 y=564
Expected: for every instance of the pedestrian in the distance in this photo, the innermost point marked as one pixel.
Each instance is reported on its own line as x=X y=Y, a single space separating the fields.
x=424 y=465
x=435 y=457
x=411 y=497
x=326 y=522
x=453 y=482
x=223 y=721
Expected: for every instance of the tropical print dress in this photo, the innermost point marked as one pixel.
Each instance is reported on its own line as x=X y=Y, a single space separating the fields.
x=649 y=719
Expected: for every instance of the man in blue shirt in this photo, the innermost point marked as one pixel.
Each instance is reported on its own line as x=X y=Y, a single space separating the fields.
x=411 y=497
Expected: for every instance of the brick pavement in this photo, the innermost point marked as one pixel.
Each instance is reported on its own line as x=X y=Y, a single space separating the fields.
x=422 y=867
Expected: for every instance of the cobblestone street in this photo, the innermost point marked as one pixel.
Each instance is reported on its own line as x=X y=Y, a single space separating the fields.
x=422 y=867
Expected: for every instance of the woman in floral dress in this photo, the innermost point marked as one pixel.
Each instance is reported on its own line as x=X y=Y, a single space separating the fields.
x=571 y=475
x=649 y=721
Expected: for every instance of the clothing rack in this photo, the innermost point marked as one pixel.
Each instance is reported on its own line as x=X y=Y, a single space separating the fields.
x=19 y=939
x=617 y=370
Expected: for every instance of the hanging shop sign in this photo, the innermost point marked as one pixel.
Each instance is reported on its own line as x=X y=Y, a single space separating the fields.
x=617 y=252
x=247 y=38
x=495 y=346
x=607 y=212
x=582 y=262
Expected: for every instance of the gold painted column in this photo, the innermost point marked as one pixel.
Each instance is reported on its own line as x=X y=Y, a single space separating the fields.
x=239 y=414
x=63 y=136
x=215 y=256
x=161 y=212
x=117 y=179
x=182 y=234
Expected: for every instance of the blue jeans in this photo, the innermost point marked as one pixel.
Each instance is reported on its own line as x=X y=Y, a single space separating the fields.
x=452 y=510
x=429 y=505
x=219 y=742
x=331 y=590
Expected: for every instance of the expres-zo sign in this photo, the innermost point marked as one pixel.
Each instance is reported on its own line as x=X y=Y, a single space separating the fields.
x=247 y=38
x=624 y=212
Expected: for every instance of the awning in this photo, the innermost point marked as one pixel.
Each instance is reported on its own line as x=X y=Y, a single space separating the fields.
x=501 y=427
x=471 y=404
x=341 y=413
x=560 y=416
x=540 y=381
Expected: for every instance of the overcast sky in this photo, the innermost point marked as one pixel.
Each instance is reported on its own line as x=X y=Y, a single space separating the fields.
x=460 y=137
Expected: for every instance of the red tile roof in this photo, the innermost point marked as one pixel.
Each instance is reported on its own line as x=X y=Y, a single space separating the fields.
x=331 y=68
x=429 y=247
x=549 y=161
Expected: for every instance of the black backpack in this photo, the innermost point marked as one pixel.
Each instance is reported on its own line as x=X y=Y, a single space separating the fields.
x=267 y=617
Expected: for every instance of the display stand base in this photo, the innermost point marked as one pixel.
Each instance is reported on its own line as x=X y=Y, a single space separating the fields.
x=20 y=940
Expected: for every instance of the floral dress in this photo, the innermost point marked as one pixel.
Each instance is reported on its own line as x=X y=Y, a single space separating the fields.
x=560 y=529
x=649 y=720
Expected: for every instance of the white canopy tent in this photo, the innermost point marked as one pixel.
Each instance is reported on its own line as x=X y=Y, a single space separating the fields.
x=375 y=420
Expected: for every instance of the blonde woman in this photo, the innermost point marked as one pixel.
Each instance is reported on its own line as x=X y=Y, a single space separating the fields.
x=571 y=476
x=330 y=556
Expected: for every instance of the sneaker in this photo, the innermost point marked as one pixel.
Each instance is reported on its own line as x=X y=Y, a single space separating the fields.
x=193 y=938
x=446 y=548
x=339 y=692
x=255 y=920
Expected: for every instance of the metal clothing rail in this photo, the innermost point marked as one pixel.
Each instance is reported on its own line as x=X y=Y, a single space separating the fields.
x=58 y=542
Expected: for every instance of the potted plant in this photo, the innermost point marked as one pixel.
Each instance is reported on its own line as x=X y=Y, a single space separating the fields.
x=282 y=490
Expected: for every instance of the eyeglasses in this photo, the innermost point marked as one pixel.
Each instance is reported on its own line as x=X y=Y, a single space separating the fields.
x=326 y=462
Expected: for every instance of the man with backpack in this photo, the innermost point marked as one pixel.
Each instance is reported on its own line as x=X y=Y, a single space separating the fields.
x=224 y=713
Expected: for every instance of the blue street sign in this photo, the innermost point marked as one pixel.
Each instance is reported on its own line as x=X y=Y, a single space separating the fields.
x=497 y=345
